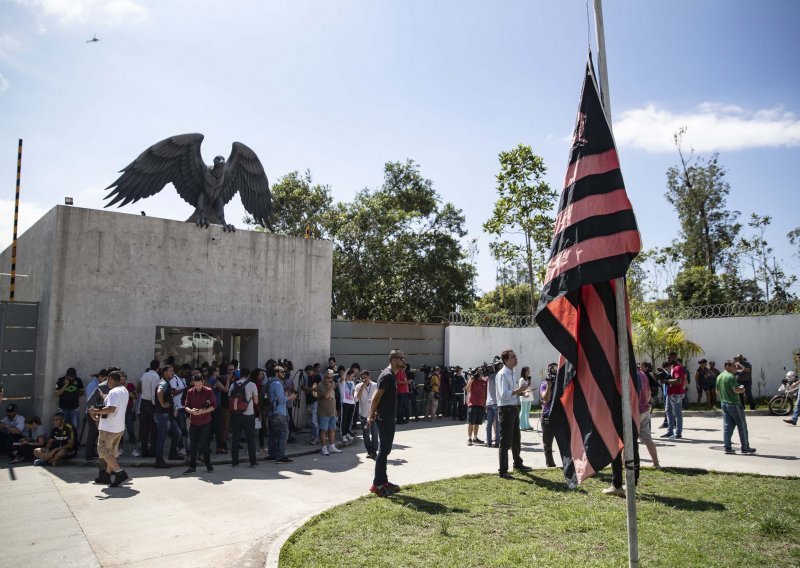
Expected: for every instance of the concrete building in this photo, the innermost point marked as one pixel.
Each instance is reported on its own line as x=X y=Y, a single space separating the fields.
x=115 y=288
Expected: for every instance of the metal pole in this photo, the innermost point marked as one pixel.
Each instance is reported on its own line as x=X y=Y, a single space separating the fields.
x=622 y=330
x=12 y=286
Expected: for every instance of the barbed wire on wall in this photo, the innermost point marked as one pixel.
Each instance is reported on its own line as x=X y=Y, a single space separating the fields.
x=736 y=309
x=488 y=319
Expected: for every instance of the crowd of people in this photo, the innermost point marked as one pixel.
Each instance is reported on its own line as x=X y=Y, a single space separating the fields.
x=258 y=409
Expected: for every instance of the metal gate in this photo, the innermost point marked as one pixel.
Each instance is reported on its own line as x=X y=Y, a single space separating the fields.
x=18 y=331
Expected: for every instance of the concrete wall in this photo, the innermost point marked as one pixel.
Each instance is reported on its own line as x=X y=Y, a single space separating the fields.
x=106 y=280
x=766 y=341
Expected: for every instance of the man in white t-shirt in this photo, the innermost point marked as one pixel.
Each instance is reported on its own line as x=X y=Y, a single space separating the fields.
x=364 y=393
x=178 y=386
x=111 y=424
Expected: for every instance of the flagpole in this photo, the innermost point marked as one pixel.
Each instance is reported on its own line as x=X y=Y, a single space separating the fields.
x=622 y=329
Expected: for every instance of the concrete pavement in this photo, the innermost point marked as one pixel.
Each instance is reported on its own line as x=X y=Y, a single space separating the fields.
x=234 y=515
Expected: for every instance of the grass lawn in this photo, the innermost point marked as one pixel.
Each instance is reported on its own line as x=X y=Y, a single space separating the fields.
x=686 y=518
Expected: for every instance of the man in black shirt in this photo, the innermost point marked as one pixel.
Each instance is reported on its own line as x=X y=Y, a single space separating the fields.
x=384 y=413
x=60 y=446
x=69 y=390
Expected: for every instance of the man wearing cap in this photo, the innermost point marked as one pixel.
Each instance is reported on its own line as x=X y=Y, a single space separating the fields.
x=111 y=426
x=200 y=404
x=62 y=443
x=11 y=427
x=383 y=411
x=326 y=413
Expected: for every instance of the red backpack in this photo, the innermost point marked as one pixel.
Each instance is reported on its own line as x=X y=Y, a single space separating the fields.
x=237 y=399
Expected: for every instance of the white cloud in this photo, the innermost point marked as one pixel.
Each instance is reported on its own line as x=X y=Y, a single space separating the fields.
x=73 y=12
x=29 y=213
x=8 y=46
x=711 y=127
x=3 y=83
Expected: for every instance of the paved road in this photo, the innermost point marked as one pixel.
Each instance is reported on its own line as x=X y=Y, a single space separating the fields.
x=231 y=517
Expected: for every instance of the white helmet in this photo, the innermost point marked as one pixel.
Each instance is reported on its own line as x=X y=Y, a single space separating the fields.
x=791 y=376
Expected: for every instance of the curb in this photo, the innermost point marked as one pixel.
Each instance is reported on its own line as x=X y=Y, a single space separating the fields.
x=286 y=531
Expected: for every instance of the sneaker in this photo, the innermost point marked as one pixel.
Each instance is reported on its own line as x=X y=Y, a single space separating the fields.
x=372 y=456
x=325 y=451
x=182 y=452
x=790 y=421
x=119 y=478
x=314 y=442
x=380 y=491
x=469 y=441
x=120 y=451
x=678 y=436
x=103 y=478
x=347 y=438
x=209 y=468
x=617 y=491
x=730 y=451
x=667 y=435
x=40 y=462
x=334 y=450
x=391 y=487
x=284 y=459
x=478 y=441
x=749 y=451
x=136 y=453
x=189 y=471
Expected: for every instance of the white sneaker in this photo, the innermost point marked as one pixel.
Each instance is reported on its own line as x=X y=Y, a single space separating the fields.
x=334 y=450
x=182 y=452
x=325 y=451
x=136 y=453
x=349 y=438
x=120 y=452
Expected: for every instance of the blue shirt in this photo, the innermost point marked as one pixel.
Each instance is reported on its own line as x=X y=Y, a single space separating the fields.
x=277 y=397
x=505 y=384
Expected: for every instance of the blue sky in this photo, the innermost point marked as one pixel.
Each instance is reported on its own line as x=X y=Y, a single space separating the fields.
x=342 y=87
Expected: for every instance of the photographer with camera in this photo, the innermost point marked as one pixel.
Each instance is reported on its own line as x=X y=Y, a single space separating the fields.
x=546 y=391
x=200 y=404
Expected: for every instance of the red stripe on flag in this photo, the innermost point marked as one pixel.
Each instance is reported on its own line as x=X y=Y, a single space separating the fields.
x=566 y=314
x=601 y=327
x=591 y=165
x=593 y=249
x=583 y=469
x=598 y=407
x=591 y=206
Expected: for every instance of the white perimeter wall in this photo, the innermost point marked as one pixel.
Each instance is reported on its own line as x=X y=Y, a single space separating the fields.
x=767 y=342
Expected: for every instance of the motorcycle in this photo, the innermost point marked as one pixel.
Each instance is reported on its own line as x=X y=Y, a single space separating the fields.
x=782 y=403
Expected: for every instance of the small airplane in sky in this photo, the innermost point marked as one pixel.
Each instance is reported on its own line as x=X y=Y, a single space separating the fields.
x=93 y=40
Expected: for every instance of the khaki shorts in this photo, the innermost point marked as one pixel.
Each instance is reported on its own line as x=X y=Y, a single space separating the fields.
x=108 y=443
x=644 y=427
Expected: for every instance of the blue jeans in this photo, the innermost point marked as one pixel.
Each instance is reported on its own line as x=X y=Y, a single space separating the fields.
x=72 y=415
x=733 y=417
x=314 y=421
x=796 y=413
x=675 y=414
x=130 y=415
x=386 y=438
x=165 y=424
x=492 y=423
x=278 y=434
x=371 y=436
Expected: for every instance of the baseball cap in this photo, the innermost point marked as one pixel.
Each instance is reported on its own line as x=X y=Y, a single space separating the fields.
x=11 y=407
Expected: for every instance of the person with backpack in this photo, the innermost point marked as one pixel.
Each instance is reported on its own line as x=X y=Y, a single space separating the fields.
x=243 y=409
x=165 y=424
x=278 y=416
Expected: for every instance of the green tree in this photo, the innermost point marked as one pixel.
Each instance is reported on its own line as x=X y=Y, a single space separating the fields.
x=299 y=205
x=397 y=252
x=697 y=286
x=523 y=208
x=655 y=335
x=698 y=190
x=767 y=272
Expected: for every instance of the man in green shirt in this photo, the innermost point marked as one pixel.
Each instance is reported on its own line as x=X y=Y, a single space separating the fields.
x=732 y=410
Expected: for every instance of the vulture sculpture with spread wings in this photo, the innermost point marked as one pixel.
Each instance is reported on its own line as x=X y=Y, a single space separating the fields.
x=177 y=160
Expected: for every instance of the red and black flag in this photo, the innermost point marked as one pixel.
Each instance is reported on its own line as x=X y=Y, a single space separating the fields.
x=595 y=239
